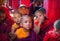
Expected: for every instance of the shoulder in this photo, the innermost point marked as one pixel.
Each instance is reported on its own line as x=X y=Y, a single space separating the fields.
x=48 y=22
x=50 y=33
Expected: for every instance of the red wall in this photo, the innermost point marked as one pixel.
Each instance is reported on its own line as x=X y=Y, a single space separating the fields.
x=15 y=3
x=53 y=9
x=25 y=2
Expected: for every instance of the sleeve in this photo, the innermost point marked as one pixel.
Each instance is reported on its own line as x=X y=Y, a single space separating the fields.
x=47 y=37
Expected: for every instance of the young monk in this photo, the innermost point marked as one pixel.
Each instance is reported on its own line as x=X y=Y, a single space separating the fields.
x=25 y=33
x=41 y=23
x=53 y=35
x=23 y=10
x=16 y=18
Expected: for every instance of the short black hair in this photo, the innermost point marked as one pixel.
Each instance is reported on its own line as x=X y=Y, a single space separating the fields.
x=41 y=10
x=25 y=16
x=57 y=24
x=2 y=11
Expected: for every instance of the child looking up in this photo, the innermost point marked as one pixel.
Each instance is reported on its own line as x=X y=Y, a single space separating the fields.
x=25 y=33
x=43 y=24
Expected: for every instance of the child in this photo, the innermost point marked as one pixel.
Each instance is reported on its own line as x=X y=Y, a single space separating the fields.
x=41 y=23
x=53 y=35
x=23 y=10
x=25 y=33
x=5 y=25
x=16 y=17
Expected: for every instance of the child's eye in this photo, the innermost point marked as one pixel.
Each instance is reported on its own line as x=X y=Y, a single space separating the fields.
x=28 y=22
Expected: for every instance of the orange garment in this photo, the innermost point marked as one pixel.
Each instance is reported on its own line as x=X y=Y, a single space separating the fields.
x=20 y=33
x=15 y=25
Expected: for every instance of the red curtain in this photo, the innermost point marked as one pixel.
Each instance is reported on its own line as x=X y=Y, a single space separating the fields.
x=53 y=12
x=25 y=2
x=14 y=4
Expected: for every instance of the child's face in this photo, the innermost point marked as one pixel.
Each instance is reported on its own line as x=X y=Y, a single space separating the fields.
x=27 y=23
x=16 y=17
x=40 y=16
x=23 y=10
x=2 y=17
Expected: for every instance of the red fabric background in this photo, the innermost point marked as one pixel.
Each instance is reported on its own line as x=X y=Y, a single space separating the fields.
x=14 y=4
x=25 y=2
x=53 y=10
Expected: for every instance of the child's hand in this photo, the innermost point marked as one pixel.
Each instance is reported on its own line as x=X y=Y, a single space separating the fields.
x=14 y=27
x=12 y=36
x=37 y=26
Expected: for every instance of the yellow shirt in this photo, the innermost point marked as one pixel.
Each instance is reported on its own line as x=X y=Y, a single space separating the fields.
x=15 y=25
x=20 y=33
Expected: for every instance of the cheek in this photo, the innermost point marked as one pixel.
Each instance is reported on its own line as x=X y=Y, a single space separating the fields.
x=42 y=18
x=15 y=20
x=23 y=24
x=30 y=24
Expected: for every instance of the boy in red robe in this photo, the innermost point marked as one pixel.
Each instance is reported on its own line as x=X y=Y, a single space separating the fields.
x=53 y=35
x=5 y=22
x=42 y=24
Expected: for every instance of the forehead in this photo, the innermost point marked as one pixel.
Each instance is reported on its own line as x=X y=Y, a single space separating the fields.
x=38 y=13
x=26 y=18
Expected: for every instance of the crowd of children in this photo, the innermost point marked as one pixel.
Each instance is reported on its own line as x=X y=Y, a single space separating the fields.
x=25 y=27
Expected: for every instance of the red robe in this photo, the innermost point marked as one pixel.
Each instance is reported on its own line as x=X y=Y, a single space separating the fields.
x=51 y=36
x=45 y=27
x=8 y=22
x=5 y=26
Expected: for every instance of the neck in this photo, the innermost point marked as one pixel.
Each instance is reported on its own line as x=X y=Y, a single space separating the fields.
x=26 y=30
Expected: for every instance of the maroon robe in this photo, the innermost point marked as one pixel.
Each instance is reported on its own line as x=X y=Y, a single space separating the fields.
x=32 y=37
x=51 y=36
x=45 y=27
x=5 y=25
